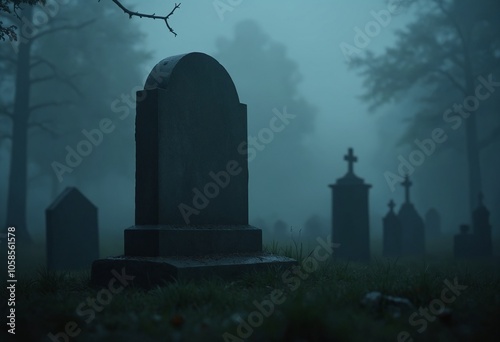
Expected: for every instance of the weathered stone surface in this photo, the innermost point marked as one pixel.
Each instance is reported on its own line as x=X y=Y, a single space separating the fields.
x=350 y=216
x=72 y=236
x=152 y=271
x=190 y=125
x=191 y=180
x=392 y=233
x=165 y=241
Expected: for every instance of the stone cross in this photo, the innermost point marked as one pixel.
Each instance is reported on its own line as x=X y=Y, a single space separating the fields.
x=351 y=159
x=407 y=184
x=412 y=225
x=392 y=242
x=351 y=215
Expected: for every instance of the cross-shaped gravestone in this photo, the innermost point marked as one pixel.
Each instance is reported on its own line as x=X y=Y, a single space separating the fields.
x=413 y=226
x=392 y=233
x=191 y=217
x=350 y=214
x=351 y=159
x=407 y=184
x=72 y=234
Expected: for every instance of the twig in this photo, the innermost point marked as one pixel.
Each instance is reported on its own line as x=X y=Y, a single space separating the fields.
x=150 y=16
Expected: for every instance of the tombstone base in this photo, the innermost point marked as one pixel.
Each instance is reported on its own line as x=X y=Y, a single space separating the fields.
x=151 y=271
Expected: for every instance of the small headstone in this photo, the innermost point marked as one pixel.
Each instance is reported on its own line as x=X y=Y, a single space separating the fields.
x=413 y=227
x=463 y=244
x=432 y=223
x=315 y=226
x=482 y=229
x=392 y=233
x=479 y=243
x=350 y=221
x=281 y=231
x=72 y=237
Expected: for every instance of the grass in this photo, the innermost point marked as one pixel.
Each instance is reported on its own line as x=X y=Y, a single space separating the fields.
x=325 y=306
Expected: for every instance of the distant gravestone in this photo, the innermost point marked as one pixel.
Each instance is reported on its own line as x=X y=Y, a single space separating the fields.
x=479 y=243
x=267 y=233
x=191 y=217
x=72 y=237
x=392 y=233
x=350 y=214
x=413 y=227
x=281 y=232
x=482 y=229
x=463 y=243
x=314 y=226
x=432 y=223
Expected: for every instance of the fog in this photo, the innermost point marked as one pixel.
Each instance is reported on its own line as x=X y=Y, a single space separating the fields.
x=289 y=179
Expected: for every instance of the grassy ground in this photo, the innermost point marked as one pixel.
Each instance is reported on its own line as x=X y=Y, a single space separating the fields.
x=324 y=306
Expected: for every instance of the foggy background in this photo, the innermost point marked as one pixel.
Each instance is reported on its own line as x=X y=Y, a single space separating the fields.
x=278 y=55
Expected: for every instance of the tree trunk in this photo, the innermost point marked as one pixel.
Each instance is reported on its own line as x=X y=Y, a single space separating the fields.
x=472 y=144
x=17 y=186
x=473 y=161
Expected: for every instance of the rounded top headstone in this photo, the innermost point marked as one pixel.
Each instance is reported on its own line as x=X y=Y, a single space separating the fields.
x=184 y=67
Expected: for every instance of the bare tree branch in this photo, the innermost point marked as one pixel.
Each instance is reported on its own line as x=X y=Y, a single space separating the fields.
x=8 y=59
x=50 y=104
x=453 y=80
x=150 y=16
x=57 y=76
x=45 y=126
x=62 y=28
x=4 y=110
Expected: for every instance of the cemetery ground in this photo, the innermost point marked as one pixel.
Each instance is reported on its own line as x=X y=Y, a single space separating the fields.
x=329 y=303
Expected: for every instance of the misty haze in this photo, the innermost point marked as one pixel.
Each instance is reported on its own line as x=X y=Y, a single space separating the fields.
x=234 y=140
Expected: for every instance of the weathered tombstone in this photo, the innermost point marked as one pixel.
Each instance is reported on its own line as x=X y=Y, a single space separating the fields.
x=413 y=227
x=479 y=243
x=350 y=215
x=72 y=237
x=463 y=243
x=432 y=223
x=281 y=231
x=392 y=233
x=314 y=227
x=191 y=218
x=482 y=230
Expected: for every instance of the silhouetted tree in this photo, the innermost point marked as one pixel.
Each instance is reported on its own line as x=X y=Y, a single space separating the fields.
x=10 y=9
x=440 y=56
x=55 y=94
